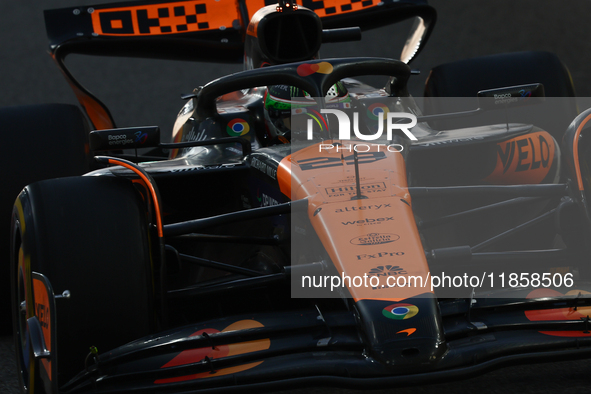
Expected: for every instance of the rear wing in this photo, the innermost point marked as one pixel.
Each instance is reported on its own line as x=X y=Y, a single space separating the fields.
x=200 y=30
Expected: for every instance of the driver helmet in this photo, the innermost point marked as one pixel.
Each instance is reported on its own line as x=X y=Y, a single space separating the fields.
x=283 y=101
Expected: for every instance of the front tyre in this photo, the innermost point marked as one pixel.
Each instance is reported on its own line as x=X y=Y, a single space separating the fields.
x=87 y=235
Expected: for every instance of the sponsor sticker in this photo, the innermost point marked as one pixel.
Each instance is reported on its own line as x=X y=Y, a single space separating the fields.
x=375 y=239
x=367 y=256
x=374 y=110
x=373 y=207
x=400 y=311
x=339 y=191
x=310 y=68
x=266 y=200
x=264 y=167
x=367 y=221
x=387 y=270
x=237 y=127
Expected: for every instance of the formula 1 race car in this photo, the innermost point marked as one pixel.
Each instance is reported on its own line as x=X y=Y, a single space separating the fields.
x=303 y=227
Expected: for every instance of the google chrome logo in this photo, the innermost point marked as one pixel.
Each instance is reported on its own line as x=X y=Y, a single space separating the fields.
x=237 y=127
x=373 y=112
x=400 y=311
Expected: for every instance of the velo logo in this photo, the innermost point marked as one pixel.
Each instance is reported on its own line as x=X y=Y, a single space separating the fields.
x=392 y=119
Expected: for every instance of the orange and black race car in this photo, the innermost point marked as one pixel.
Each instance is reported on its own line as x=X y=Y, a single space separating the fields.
x=302 y=227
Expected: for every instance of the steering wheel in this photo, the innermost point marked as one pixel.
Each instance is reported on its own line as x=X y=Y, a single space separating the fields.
x=313 y=76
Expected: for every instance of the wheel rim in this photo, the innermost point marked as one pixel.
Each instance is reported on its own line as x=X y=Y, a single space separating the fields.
x=25 y=359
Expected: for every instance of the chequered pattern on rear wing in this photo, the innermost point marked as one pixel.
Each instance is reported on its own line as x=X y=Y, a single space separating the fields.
x=198 y=15
x=166 y=18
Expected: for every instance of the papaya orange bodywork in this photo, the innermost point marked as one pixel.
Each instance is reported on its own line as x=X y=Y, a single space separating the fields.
x=576 y=153
x=351 y=228
x=569 y=313
x=164 y=18
x=42 y=313
x=526 y=159
x=195 y=355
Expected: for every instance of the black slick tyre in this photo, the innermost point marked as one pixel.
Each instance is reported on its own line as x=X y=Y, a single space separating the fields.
x=87 y=235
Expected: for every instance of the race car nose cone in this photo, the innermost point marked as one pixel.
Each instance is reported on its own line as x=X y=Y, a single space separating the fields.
x=402 y=334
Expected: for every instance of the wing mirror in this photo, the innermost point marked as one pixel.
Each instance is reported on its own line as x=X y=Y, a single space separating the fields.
x=125 y=138
x=514 y=96
x=495 y=99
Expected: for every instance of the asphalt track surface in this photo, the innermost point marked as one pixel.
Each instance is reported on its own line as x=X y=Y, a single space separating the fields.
x=143 y=92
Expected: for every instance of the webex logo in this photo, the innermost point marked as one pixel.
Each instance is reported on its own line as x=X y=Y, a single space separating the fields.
x=392 y=123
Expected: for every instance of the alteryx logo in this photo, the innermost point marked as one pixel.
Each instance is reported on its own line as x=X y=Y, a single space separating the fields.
x=393 y=122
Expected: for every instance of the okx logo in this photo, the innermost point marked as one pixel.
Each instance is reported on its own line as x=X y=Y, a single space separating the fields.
x=394 y=121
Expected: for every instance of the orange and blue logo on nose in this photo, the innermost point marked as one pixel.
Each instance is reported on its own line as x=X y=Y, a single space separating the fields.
x=400 y=311
x=237 y=127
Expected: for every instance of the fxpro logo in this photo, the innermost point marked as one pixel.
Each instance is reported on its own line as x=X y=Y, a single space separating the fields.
x=392 y=123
